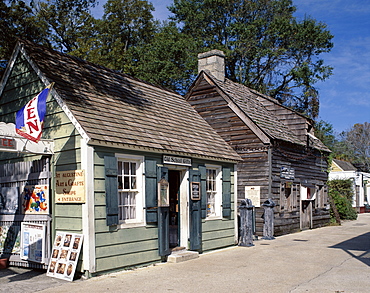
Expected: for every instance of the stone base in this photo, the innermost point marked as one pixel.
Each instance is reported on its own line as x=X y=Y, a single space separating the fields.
x=182 y=255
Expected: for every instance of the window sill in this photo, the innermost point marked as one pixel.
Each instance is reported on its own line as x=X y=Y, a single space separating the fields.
x=131 y=225
x=213 y=218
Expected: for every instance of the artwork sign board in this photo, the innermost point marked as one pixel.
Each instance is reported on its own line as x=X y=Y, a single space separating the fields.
x=33 y=242
x=64 y=255
x=35 y=199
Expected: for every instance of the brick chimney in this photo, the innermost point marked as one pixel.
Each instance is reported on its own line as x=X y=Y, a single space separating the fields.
x=212 y=62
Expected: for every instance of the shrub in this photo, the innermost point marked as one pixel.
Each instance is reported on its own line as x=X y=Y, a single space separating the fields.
x=341 y=193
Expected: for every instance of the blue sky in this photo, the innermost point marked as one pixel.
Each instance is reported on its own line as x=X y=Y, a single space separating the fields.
x=345 y=96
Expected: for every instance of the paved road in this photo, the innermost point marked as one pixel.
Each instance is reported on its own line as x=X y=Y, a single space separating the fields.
x=331 y=259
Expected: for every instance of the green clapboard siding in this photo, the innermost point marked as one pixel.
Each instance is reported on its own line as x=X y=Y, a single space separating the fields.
x=136 y=259
x=68 y=224
x=126 y=248
x=218 y=243
x=124 y=235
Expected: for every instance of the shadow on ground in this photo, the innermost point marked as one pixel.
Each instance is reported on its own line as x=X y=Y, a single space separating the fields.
x=358 y=247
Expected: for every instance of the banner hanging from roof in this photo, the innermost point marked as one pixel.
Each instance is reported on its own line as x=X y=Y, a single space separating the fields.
x=30 y=119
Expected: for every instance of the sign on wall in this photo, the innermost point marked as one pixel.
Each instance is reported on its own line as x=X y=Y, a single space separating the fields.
x=195 y=191
x=64 y=255
x=33 y=242
x=35 y=199
x=287 y=173
x=70 y=186
x=254 y=194
x=176 y=161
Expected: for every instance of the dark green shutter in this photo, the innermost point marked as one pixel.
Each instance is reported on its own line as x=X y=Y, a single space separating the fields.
x=111 y=190
x=151 y=191
x=226 y=192
x=203 y=190
x=195 y=216
x=163 y=219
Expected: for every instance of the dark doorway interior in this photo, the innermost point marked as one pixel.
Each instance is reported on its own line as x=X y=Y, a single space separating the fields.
x=174 y=191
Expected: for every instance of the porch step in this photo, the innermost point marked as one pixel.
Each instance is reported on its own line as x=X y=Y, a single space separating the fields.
x=182 y=255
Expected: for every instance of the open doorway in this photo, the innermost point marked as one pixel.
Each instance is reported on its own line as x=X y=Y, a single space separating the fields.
x=174 y=218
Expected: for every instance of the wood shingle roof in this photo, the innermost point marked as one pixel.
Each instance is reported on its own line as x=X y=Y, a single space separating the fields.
x=255 y=106
x=117 y=109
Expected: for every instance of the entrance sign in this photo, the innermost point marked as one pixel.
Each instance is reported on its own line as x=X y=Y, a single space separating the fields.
x=254 y=194
x=64 y=255
x=33 y=242
x=176 y=161
x=70 y=186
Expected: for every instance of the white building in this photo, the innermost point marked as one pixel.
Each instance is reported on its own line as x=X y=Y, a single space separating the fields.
x=345 y=170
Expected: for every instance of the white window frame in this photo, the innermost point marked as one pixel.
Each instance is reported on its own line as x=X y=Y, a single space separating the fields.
x=139 y=190
x=218 y=192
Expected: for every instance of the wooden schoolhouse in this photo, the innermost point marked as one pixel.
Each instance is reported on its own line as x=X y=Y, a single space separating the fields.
x=282 y=158
x=129 y=166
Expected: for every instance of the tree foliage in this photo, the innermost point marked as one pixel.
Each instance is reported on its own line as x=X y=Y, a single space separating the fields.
x=341 y=191
x=267 y=48
x=355 y=145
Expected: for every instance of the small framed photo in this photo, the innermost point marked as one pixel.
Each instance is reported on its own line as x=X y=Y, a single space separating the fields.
x=195 y=190
x=163 y=193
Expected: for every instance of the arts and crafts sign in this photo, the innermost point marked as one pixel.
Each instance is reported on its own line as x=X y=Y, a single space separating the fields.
x=33 y=242
x=70 y=186
x=35 y=199
x=64 y=255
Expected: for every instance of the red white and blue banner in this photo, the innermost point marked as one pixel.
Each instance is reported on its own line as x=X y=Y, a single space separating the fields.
x=30 y=119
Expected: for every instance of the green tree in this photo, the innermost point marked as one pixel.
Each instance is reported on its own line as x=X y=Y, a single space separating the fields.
x=266 y=47
x=67 y=21
x=355 y=144
x=167 y=59
x=325 y=132
x=126 y=24
x=17 y=20
x=341 y=193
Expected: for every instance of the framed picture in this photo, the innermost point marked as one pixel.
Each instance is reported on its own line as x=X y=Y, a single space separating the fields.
x=64 y=255
x=163 y=193
x=195 y=190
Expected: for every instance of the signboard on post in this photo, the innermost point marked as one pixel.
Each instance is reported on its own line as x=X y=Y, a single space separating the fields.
x=254 y=194
x=33 y=242
x=70 y=186
x=64 y=255
x=195 y=190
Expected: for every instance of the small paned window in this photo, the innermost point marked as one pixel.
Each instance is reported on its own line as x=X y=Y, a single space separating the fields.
x=130 y=201
x=288 y=196
x=214 y=191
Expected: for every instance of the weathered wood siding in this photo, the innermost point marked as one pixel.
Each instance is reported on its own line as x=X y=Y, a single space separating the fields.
x=256 y=166
x=310 y=169
x=296 y=123
x=253 y=170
